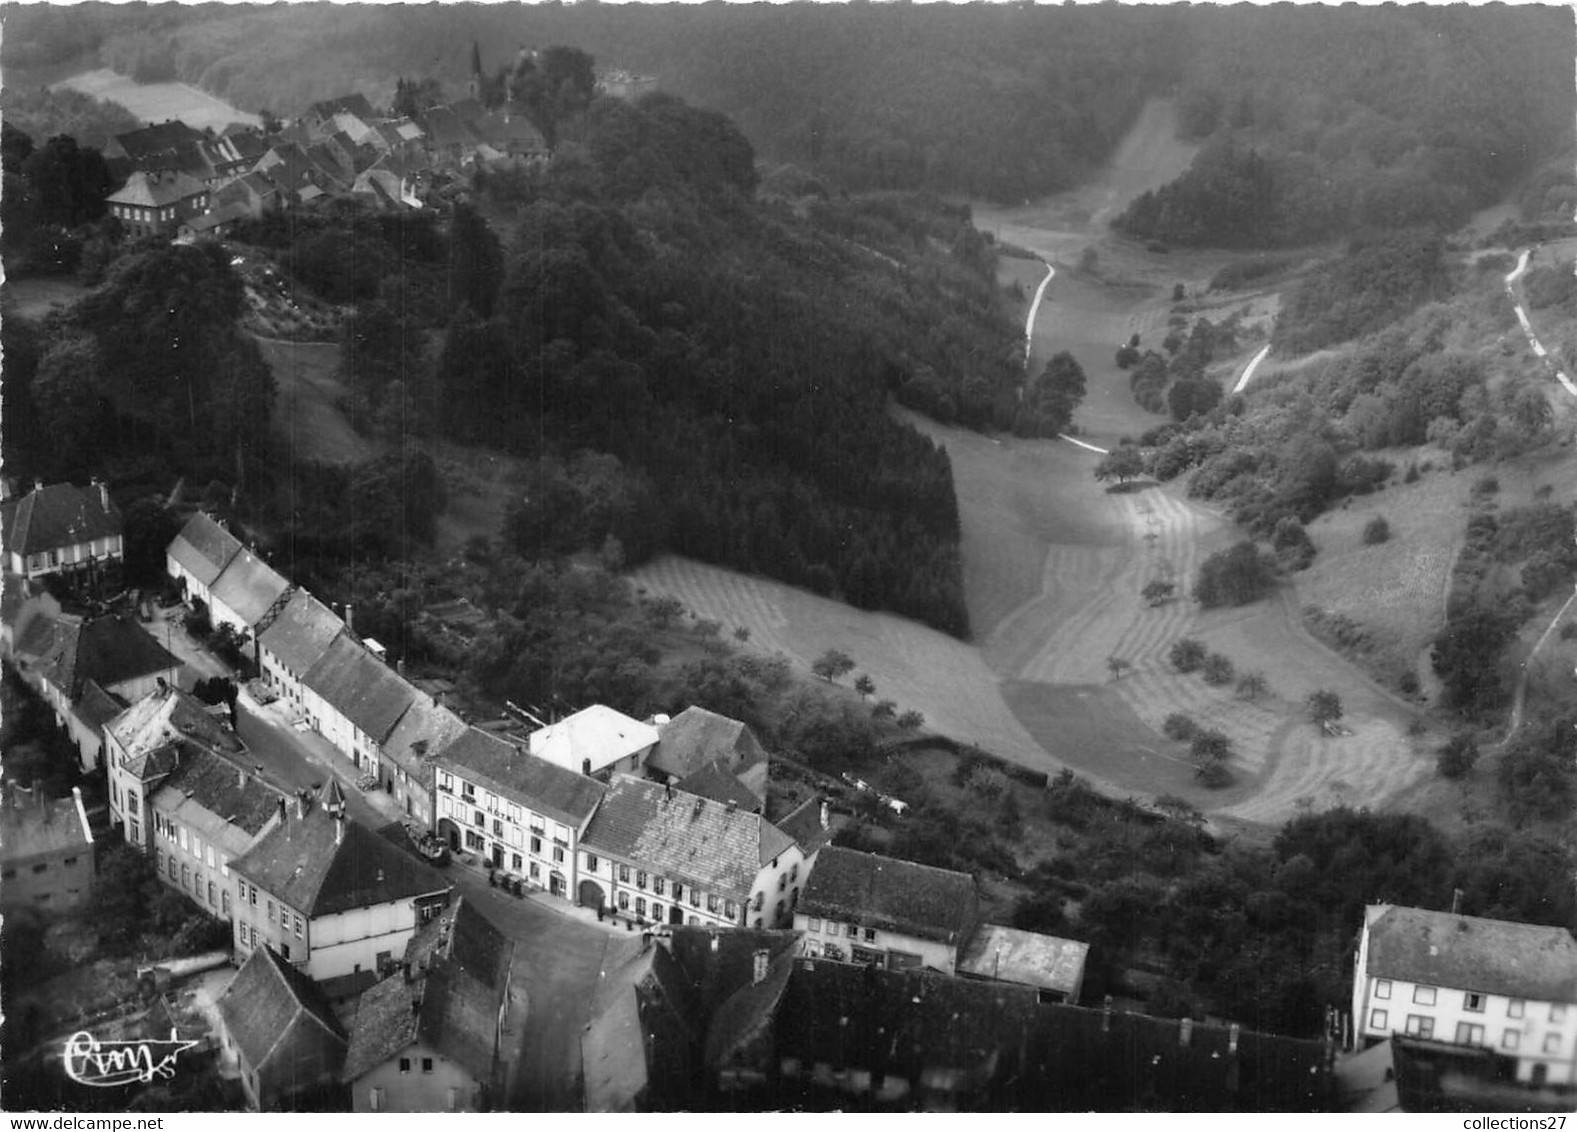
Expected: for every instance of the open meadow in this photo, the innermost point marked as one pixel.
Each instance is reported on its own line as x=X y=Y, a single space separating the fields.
x=160 y=102
x=307 y=412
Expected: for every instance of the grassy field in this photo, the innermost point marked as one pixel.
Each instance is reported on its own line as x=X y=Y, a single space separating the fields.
x=480 y=485
x=158 y=102
x=307 y=412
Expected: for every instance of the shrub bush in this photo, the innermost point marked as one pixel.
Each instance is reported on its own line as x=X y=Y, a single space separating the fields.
x=1376 y=531
x=1457 y=757
x=1180 y=727
x=1187 y=655
x=1235 y=576
x=1218 y=669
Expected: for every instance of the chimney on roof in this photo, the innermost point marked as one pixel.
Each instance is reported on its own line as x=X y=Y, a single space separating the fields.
x=350 y=620
x=1232 y=1038
x=1185 y=1032
x=301 y=806
x=585 y=767
x=668 y=790
x=281 y=809
x=1456 y=901
x=758 y=969
x=339 y=837
x=104 y=492
x=826 y=814
x=732 y=805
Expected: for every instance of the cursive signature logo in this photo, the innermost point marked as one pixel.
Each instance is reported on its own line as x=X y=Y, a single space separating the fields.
x=104 y=1065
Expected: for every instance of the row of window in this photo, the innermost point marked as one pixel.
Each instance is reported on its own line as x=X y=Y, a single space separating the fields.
x=246 y=936
x=194 y=845
x=375 y=1095
x=814 y=924
x=1468 y=1033
x=1472 y=1001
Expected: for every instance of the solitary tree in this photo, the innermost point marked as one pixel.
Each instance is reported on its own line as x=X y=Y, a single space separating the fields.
x=1156 y=592
x=1118 y=666
x=1217 y=669
x=911 y=721
x=832 y=664
x=864 y=685
x=1187 y=655
x=1125 y=462
x=883 y=709
x=1325 y=708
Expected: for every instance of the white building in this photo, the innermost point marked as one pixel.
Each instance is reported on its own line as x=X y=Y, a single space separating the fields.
x=1495 y=984
x=198 y=555
x=61 y=529
x=596 y=741
x=330 y=896
x=520 y=813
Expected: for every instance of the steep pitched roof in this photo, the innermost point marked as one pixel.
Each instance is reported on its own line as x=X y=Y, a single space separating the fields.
x=57 y=515
x=156 y=190
x=69 y=651
x=361 y=687
x=704 y=843
x=221 y=788
x=305 y=864
x=894 y=895
x=804 y=826
x=424 y=730
x=154 y=140
x=1471 y=953
x=696 y=737
x=203 y=548
x=449 y=998
x=356 y=104
x=302 y=632
x=34 y=826
x=248 y=585
x=97 y=707
x=269 y=1005
x=713 y=781
x=598 y=733
x=442 y=128
x=501 y=767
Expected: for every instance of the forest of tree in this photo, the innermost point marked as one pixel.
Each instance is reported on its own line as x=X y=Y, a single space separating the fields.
x=1321 y=122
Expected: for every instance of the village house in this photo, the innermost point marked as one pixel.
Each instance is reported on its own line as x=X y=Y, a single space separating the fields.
x=295 y=640
x=244 y=594
x=1053 y=967
x=427 y=1038
x=522 y=814
x=1493 y=984
x=63 y=529
x=156 y=204
x=198 y=555
x=866 y=909
x=332 y=897
x=289 y=1046
x=655 y=854
x=254 y=192
x=425 y=729
x=155 y=146
x=595 y=741
x=353 y=699
x=214 y=225
x=322 y=117
x=87 y=669
x=46 y=851
x=181 y=792
x=695 y=744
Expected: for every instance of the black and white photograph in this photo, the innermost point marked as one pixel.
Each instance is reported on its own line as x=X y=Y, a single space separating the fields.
x=867 y=556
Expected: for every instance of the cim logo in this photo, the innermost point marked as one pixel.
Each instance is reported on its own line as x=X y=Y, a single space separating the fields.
x=104 y=1065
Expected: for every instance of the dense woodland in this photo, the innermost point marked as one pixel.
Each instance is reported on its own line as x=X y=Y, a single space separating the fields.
x=1402 y=117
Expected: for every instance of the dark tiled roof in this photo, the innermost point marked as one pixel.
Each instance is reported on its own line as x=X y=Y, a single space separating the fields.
x=97 y=707
x=302 y=632
x=356 y=104
x=248 y=586
x=220 y=787
x=449 y=997
x=696 y=737
x=57 y=515
x=109 y=650
x=443 y=128
x=360 y=686
x=718 y=961
x=301 y=863
x=714 y=782
x=804 y=826
x=883 y=892
x=424 y=730
x=701 y=842
x=29 y=828
x=152 y=141
x=267 y=1007
x=1470 y=953
x=203 y=548
x=508 y=131
x=504 y=769
x=996 y=1048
